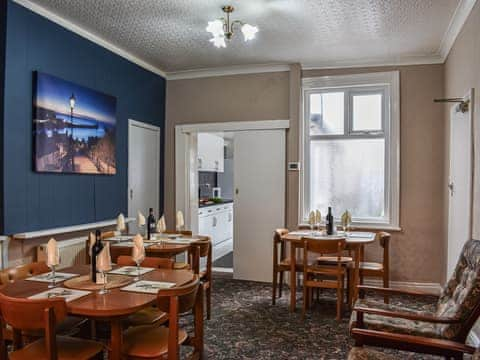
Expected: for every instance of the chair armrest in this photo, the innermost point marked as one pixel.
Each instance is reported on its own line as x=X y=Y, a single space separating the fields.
x=389 y=291
x=381 y=337
x=406 y=315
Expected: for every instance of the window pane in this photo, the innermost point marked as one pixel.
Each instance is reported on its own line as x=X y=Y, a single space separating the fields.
x=326 y=113
x=367 y=112
x=348 y=174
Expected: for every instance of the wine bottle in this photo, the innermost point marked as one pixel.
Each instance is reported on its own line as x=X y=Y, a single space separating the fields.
x=96 y=249
x=151 y=224
x=330 y=221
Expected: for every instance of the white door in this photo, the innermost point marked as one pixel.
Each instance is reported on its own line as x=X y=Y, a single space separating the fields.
x=460 y=185
x=143 y=168
x=259 y=204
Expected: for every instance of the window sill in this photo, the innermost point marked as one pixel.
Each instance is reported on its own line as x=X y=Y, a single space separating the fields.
x=364 y=227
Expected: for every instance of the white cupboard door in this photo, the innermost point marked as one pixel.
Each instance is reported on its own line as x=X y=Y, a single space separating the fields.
x=210 y=152
x=460 y=185
x=259 y=204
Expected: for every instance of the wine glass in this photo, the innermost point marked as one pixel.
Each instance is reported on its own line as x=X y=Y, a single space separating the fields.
x=53 y=283
x=104 y=289
x=138 y=261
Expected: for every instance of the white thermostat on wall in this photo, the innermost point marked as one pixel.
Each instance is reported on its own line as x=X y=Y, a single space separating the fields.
x=293 y=166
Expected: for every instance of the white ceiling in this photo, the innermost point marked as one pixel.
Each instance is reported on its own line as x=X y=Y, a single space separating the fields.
x=170 y=35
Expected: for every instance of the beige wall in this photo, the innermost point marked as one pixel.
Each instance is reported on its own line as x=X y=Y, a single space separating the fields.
x=418 y=251
x=462 y=72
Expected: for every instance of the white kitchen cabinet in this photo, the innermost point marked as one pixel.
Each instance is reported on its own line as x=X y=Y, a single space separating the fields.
x=210 y=152
x=216 y=221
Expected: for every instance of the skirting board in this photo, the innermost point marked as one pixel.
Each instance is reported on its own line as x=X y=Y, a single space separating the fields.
x=429 y=288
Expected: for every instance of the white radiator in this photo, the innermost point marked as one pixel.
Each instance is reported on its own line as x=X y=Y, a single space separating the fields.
x=72 y=252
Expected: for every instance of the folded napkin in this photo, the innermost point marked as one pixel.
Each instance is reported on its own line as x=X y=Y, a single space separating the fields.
x=161 y=225
x=318 y=216
x=140 y=219
x=311 y=218
x=180 y=220
x=91 y=242
x=121 y=222
x=346 y=218
x=53 y=255
x=104 y=260
x=138 y=250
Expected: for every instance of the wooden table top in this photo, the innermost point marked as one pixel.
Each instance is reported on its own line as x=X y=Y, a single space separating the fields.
x=116 y=303
x=353 y=237
x=166 y=246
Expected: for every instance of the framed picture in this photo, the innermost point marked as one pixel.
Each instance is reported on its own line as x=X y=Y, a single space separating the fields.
x=74 y=128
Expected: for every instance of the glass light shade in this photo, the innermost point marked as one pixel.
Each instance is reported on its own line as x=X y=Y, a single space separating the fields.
x=72 y=101
x=249 y=31
x=215 y=27
x=219 y=41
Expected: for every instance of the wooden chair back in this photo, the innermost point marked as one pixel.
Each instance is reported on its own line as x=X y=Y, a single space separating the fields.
x=204 y=249
x=324 y=247
x=182 y=232
x=384 y=240
x=279 y=251
x=107 y=234
x=27 y=270
x=153 y=262
x=179 y=300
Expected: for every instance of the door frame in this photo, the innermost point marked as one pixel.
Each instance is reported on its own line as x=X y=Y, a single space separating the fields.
x=186 y=171
x=135 y=123
x=469 y=97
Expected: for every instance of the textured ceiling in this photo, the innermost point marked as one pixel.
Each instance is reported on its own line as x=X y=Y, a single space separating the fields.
x=170 y=34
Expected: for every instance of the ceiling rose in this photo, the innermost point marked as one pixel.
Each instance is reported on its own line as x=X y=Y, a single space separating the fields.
x=223 y=29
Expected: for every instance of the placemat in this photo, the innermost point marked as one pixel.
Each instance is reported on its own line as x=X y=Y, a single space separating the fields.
x=48 y=277
x=85 y=283
x=149 y=287
x=131 y=270
x=67 y=294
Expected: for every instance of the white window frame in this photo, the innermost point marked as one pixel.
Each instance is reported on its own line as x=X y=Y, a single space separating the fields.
x=389 y=84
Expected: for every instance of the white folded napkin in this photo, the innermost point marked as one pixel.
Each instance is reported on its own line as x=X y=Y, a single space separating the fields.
x=121 y=222
x=140 y=219
x=104 y=260
x=346 y=218
x=180 y=220
x=138 y=250
x=311 y=218
x=91 y=242
x=161 y=225
x=53 y=255
x=318 y=216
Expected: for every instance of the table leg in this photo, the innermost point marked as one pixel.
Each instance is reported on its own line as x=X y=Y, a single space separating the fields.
x=293 y=277
x=115 y=339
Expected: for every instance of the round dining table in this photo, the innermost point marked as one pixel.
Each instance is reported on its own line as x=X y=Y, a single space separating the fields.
x=112 y=307
x=355 y=242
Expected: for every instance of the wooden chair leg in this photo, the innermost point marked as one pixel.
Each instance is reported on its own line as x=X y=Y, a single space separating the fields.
x=305 y=300
x=349 y=285
x=280 y=285
x=208 y=294
x=340 y=299
x=274 y=286
x=386 y=284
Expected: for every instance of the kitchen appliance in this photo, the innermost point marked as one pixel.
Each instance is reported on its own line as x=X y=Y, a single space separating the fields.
x=216 y=192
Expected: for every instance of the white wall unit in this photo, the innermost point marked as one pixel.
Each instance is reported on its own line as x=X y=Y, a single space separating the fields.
x=210 y=152
x=216 y=221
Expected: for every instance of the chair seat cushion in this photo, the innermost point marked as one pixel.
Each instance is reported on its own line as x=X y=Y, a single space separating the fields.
x=334 y=259
x=147 y=316
x=180 y=266
x=392 y=324
x=361 y=353
x=68 y=348
x=148 y=341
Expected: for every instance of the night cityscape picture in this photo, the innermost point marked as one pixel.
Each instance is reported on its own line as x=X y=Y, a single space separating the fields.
x=74 y=128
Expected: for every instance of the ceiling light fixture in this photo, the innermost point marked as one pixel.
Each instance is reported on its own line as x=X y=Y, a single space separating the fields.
x=222 y=29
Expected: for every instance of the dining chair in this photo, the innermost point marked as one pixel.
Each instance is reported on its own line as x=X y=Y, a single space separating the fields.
x=281 y=263
x=107 y=234
x=43 y=315
x=363 y=353
x=152 y=342
x=149 y=315
x=181 y=265
x=375 y=269
x=329 y=275
x=69 y=325
x=152 y=262
x=442 y=331
x=204 y=251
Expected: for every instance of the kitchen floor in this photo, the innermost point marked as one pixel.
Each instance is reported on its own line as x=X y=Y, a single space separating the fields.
x=225 y=261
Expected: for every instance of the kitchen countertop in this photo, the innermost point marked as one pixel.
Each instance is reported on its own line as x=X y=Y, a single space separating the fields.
x=224 y=201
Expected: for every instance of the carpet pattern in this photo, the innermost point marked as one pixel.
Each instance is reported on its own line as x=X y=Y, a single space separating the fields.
x=245 y=325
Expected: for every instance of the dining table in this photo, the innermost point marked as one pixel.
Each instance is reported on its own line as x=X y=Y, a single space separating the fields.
x=355 y=242
x=112 y=307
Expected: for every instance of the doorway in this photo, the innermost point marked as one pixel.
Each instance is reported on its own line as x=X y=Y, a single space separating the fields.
x=239 y=199
x=143 y=168
x=460 y=182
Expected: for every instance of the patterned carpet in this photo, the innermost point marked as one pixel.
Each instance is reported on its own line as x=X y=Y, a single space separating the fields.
x=245 y=325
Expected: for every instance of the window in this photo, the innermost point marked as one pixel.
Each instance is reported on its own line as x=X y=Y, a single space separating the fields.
x=351 y=147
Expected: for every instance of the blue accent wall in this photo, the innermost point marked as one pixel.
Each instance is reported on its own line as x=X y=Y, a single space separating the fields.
x=3 y=34
x=34 y=201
